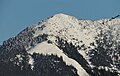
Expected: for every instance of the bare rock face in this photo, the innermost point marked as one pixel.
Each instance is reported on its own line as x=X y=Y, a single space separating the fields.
x=63 y=45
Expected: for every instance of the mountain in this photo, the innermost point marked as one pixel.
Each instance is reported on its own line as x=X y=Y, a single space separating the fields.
x=63 y=45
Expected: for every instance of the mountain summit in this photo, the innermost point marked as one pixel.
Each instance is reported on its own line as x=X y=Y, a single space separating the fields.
x=63 y=45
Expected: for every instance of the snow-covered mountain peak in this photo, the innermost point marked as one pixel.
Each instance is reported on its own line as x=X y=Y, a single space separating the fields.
x=69 y=27
x=57 y=25
x=91 y=47
x=59 y=19
x=62 y=18
x=60 y=15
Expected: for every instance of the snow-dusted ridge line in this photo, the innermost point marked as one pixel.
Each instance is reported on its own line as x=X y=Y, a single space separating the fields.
x=66 y=26
x=71 y=29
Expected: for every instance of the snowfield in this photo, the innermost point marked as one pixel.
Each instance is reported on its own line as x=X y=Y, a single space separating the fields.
x=45 y=48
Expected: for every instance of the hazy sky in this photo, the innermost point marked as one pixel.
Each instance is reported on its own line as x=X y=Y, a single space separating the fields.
x=15 y=15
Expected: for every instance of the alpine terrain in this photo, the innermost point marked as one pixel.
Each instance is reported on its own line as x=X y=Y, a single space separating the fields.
x=63 y=45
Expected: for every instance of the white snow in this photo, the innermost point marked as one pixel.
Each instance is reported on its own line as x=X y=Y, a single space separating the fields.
x=31 y=62
x=45 y=48
x=69 y=27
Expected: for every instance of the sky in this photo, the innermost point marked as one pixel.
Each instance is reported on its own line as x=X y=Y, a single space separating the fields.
x=16 y=15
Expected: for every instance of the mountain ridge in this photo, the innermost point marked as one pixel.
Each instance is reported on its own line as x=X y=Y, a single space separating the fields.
x=89 y=40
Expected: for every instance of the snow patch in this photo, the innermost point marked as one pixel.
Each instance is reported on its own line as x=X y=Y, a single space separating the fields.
x=45 y=48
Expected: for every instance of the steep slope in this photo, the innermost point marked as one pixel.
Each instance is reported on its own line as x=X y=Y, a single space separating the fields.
x=91 y=47
x=45 y=48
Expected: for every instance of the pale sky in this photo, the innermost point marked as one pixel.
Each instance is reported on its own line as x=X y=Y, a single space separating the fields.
x=16 y=15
